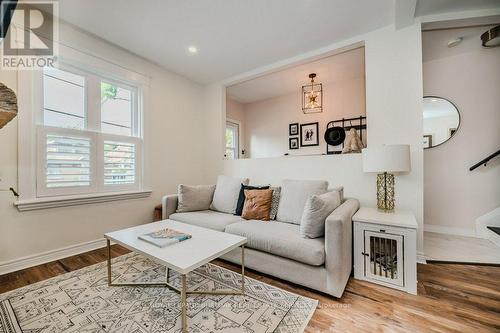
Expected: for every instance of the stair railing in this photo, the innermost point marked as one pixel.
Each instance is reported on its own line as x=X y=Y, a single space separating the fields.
x=485 y=161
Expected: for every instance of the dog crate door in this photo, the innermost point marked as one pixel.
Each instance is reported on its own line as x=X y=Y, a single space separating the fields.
x=384 y=257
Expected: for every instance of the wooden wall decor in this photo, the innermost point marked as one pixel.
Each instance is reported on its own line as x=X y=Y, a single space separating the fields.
x=8 y=105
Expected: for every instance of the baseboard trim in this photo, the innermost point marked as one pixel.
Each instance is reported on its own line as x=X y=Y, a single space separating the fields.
x=449 y=230
x=421 y=258
x=42 y=258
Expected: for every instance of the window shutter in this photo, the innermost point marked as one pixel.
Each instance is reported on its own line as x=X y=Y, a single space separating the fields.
x=67 y=161
x=119 y=163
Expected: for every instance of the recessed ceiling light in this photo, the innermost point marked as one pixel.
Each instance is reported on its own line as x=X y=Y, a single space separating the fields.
x=192 y=50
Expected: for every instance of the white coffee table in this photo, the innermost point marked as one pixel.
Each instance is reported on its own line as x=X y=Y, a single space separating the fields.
x=204 y=246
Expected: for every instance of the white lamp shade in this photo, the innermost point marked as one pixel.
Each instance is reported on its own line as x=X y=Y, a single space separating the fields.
x=387 y=158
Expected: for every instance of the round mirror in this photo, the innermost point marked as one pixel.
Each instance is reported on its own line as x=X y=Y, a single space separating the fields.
x=441 y=121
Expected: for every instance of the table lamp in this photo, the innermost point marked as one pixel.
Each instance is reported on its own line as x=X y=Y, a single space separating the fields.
x=385 y=160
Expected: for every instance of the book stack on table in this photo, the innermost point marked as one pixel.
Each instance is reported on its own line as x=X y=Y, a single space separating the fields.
x=164 y=237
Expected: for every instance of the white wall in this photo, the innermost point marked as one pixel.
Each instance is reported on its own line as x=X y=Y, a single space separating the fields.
x=171 y=161
x=394 y=115
x=469 y=76
x=267 y=121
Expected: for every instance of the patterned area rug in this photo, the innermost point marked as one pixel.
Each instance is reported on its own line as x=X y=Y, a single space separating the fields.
x=81 y=301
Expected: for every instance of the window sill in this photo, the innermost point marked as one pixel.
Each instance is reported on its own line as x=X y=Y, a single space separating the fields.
x=53 y=202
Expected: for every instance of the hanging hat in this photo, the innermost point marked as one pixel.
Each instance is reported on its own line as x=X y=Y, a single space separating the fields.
x=334 y=136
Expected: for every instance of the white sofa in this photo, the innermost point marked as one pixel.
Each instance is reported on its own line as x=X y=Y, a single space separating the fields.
x=276 y=248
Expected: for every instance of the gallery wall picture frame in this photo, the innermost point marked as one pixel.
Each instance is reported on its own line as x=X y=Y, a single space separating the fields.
x=293 y=143
x=309 y=134
x=293 y=129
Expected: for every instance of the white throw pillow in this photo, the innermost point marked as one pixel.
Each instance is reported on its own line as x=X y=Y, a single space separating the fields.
x=317 y=209
x=193 y=198
x=294 y=194
x=226 y=194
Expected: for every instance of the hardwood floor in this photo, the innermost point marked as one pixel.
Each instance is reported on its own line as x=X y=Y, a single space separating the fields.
x=451 y=297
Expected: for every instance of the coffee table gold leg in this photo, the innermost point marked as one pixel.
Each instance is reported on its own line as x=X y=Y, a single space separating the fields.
x=183 y=304
x=108 y=243
x=243 y=269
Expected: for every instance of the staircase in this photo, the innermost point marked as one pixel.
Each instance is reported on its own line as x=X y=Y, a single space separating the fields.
x=488 y=226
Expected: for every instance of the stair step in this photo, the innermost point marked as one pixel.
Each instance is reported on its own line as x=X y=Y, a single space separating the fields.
x=494 y=229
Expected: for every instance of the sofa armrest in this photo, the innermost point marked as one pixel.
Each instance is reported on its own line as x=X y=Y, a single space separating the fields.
x=168 y=205
x=338 y=245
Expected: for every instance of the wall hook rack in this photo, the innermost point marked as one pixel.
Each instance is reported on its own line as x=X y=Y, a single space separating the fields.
x=361 y=127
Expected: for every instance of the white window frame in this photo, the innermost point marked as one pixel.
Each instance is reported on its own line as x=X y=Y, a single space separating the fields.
x=30 y=105
x=135 y=123
x=93 y=131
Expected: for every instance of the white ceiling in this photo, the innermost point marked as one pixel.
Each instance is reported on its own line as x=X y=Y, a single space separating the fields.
x=431 y=7
x=343 y=66
x=438 y=107
x=232 y=36
x=235 y=36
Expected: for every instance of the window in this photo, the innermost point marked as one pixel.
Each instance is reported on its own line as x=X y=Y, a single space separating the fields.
x=89 y=137
x=232 y=135
x=116 y=109
x=63 y=99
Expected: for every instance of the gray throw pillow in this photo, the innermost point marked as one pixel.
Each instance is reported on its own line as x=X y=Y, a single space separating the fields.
x=317 y=209
x=275 y=202
x=226 y=194
x=193 y=198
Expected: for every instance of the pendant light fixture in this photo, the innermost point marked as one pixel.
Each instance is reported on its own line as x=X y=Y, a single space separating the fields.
x=312 y=96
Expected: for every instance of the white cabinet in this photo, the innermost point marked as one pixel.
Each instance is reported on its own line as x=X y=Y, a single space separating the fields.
x=385 y=248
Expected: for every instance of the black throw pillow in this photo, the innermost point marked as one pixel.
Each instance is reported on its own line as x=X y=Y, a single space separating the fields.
x=241 y=198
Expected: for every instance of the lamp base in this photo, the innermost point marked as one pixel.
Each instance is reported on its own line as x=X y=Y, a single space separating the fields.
x=385 y=192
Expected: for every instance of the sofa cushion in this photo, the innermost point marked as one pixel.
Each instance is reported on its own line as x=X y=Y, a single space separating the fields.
x=294 y=194
x=281 y=239
x=195 y=197
x=226 y=194
x=317 y=209
x=207 y=219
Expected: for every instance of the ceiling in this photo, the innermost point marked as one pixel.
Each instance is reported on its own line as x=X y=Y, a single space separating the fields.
x=235 y=36
x=438 y=107
x=344 y=66
x=232 y=36
x=431 y=7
